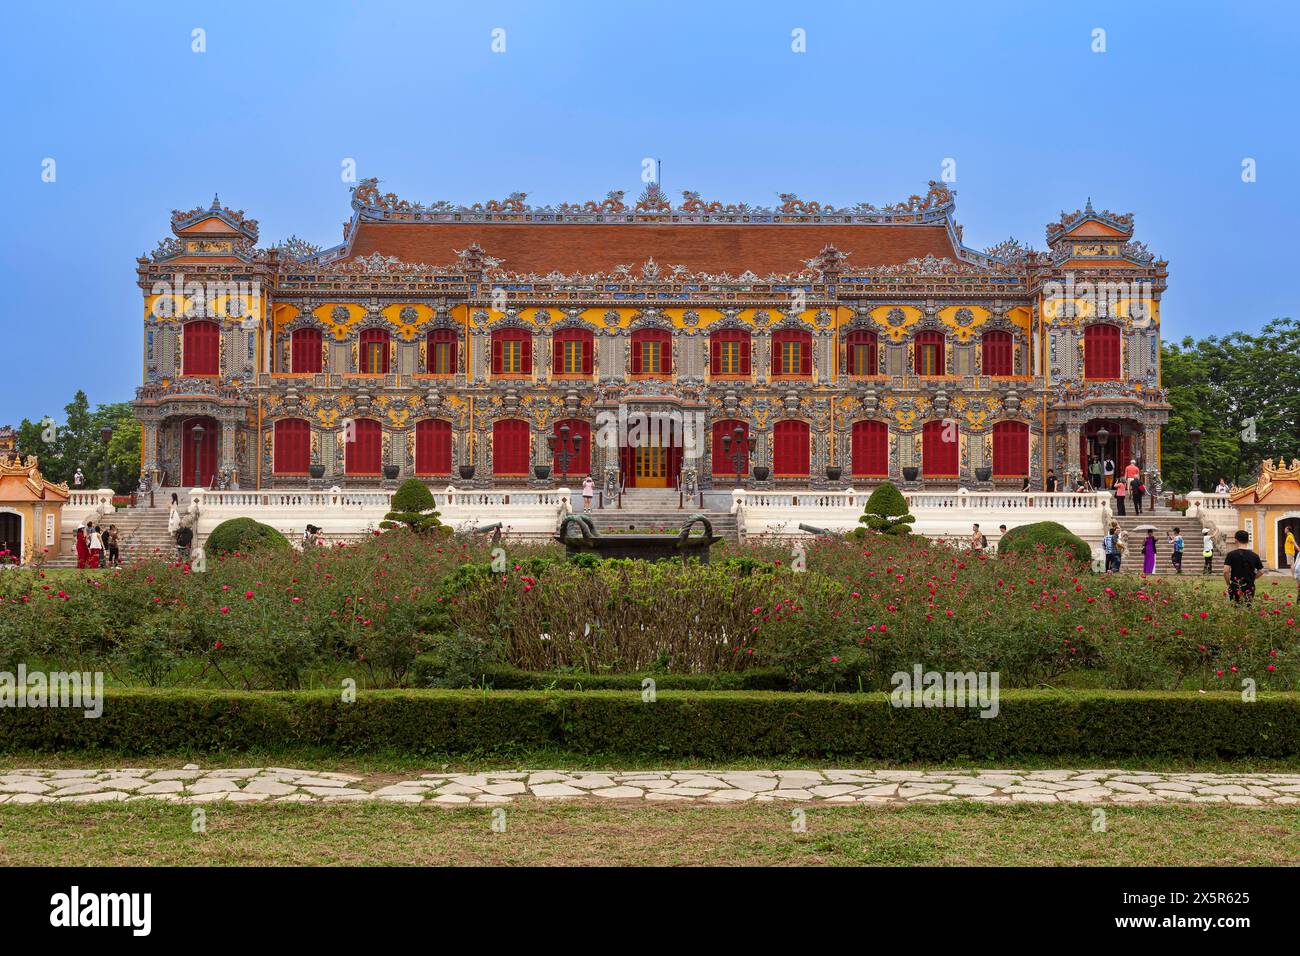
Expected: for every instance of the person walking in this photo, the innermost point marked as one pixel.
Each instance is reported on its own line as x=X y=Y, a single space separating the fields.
x=113 y=556
x=95 y=542
x=1094 y=472
x=1207 y=551
x=174 y=516
x=1149 y=554
x=1241 y=566
x=1295 y=573
x=1108 y=470
x=588 y=492
x=978 y=542
x=1139 y=489
x=184 y=537
x=1176 y=544
x=1108 y=542
x=1121 y=492
x=78 y=479
x=1289 y=548
x=1131 y=470
x=83 y=552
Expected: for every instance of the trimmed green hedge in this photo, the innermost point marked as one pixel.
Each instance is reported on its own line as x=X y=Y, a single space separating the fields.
x=243 y=534
x=722 y=725
x=1052 y=535
x=427 y=671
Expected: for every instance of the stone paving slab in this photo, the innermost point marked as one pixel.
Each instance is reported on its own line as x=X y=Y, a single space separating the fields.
x=838 y=786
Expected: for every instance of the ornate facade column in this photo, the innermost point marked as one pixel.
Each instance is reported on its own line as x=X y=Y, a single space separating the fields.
x=1072 y=435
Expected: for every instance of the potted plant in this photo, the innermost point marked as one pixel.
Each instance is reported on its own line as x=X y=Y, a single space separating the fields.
x=983 y=473
x=467 y=472
x=910 y=472
x=833 y=472
x=316 y=471
x=541 y=472
x=390 y=471
x=761 y=472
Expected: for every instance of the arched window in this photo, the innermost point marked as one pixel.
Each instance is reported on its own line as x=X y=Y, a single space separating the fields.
x=791 y=352
x=433 y=447
x=292 y=446
x=1101 y=351
x=510 y=447
x=998 y=352
x=201 y=348
x=512 y=352
x=861 y=353
x=929 y=358
x=652 y=352
x=305 y=351
x=579 y=462
x=870 y=450
x=364 y=454
x=790 y=449
x=372 y=357
x=1010 y=449
x=729 y=352
x=724 y=462
x=939 y=445
x=442 y=352
x=572 y=352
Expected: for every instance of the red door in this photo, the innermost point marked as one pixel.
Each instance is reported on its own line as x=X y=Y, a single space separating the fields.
x=939 y=442
x=510 y=447
x=433 y=447
x=292 y=446
x=724 y=461
x=201 y=453
x=790 y=449
x=364 y=454
x=1011 y=449
x=870 y=450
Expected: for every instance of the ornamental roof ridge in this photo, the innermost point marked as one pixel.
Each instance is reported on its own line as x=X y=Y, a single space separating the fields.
x=653 y=205
x=1122 y=222
x=235 y=218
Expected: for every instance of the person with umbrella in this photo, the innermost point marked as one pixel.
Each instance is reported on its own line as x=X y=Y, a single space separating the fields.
x=1148 y=549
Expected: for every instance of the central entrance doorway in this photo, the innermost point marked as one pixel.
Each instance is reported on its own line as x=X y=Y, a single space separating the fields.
x=11 y=538
x=650 y=453
x=198 y=457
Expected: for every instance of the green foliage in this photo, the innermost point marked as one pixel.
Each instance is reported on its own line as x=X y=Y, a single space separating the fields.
x=243 y=534
x=413 y=508
x=77 y=444
x=719 y=725
x=1215 y=385
x=886 y=511
x=429 y=672
x=1048 y=535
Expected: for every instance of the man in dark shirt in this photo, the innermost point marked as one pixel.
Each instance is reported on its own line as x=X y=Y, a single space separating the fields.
x=1051 y=481
x=1241 y=567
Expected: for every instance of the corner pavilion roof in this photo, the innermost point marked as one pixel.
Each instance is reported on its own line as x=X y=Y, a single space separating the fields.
x=1277 y=485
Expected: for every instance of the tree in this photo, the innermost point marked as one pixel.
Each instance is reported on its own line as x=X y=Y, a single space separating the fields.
x=75 y=443
x=413 y=507
x=886 y=511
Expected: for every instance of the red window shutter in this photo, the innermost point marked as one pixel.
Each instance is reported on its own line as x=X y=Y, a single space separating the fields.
x=1101 y=351
x=938 y=457
x=433 y=447
x=723 y=463
x=363 y=455
x=790 y=451
x=778 y=346
x=579 y=464
x=870 y=449
x=201 y=349
x=805 y=354
x=715 y=355
x=666 y=352
x=997 y=353
x=635 y=346
x=526 y=354
x=588 y=355
x=292 y=446
x=1011 y=449
x=745 y=352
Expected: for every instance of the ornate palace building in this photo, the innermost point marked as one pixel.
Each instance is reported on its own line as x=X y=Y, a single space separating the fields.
x=867 y=342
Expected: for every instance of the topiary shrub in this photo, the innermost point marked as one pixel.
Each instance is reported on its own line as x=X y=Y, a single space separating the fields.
x=413 y=508
x=243 y=534
x=1049 y=534
x=886 y=512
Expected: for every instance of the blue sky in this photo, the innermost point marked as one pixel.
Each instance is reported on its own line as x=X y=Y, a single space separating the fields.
x=1037 y=122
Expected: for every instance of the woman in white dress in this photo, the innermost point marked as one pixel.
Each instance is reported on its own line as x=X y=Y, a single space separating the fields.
x=174 y=516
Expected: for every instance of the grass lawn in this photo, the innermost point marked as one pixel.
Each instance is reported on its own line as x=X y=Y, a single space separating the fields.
x=537 y=833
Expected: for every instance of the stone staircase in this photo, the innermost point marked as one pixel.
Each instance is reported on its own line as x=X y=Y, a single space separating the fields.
x=142 y=534
x=1164 y=519
x=655 y=509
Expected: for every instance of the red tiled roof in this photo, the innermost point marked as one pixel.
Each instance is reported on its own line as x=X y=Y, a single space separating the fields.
x=587 y=248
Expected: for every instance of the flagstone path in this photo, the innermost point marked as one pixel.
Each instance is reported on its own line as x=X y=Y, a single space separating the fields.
x=287 y=785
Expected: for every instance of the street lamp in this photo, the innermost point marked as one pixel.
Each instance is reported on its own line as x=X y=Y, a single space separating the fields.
x=1194 y=436
x=197 y=432
x=565 y=450
x=733 y=447
x=105 y=435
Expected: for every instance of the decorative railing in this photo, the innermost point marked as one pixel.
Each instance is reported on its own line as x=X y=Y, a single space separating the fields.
x=923 y=500
x=378 y=499
x=780 y=500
